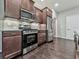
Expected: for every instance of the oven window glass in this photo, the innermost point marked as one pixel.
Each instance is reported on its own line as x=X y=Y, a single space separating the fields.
x=26 y=14
x=29 y=39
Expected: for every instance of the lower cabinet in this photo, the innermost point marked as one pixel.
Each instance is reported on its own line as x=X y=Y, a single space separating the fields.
x=41 y=38
x=11 y=44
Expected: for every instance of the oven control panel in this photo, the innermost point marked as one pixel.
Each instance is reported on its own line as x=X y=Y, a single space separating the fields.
x=30 y=31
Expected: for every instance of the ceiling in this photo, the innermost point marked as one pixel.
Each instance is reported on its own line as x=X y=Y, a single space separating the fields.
x=63 y=4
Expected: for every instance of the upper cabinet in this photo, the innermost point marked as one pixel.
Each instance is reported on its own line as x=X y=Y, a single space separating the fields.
x=12 y=8
x=46 y=12
x=49 y=12
x=28 y=5
x=39 y=15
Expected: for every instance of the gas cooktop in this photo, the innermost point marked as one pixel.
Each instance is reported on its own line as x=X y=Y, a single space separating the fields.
x=30 y=31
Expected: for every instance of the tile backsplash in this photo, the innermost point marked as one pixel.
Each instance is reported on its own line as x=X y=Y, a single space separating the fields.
x=35 y=26
x=10 y=24
x=42 y=26
x=14 y=24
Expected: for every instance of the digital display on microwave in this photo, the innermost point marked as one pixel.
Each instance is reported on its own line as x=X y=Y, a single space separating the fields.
x=26 y=14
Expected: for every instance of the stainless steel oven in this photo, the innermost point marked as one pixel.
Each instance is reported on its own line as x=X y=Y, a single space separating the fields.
x=29 y=40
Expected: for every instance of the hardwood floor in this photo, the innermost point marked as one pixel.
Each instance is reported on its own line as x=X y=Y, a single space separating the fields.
x=0 y=55
x=77 y=55
x=60 y=49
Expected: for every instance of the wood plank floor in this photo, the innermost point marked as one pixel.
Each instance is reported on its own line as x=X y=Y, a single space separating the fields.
x=0 y=55
x=60 y=49
x=77 y=55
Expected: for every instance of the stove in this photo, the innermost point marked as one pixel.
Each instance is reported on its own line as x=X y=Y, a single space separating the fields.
x=29 y=40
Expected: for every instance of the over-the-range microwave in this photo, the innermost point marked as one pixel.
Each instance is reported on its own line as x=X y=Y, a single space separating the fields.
x=26 y=14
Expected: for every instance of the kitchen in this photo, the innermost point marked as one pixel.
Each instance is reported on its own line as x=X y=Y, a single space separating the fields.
x=23 y=27
x=39 y=29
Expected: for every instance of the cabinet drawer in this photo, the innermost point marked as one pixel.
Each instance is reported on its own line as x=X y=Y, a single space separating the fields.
x=6 y=34
x=42 y=31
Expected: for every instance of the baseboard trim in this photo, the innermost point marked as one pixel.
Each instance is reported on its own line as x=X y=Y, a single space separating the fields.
x=49 y=41
x=0 y=51
x=62 y=38
x=42 y=44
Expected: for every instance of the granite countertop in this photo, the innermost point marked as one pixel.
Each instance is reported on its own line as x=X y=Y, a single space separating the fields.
x=12 y=30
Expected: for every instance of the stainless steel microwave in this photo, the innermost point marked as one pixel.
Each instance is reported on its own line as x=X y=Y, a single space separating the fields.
x=26 y=14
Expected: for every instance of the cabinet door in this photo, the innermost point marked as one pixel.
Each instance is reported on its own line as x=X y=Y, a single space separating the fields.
x=13 y=8
x=39 y=15
x=31 y=6
x=7 y=42
x=27 y=4
x=17 y=46
x=11 y=46
x=41 y=38
x=44 y=16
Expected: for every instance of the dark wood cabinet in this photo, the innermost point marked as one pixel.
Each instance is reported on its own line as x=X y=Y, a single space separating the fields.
x=28 y=5
x=11 y=44
x=46 y=12
x=39 y=15
x=41 y=37
x=42 y=31
x=31 y=6
x=12 y=8
x=42 y=34
x=44 y=16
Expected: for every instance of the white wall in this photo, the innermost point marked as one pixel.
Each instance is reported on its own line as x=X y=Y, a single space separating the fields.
x=61 y=21
x=1 y=35
x=72 y=25
x=1 y=17
x=1 y=9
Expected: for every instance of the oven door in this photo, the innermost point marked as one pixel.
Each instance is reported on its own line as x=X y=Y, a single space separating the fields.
x=29 y=39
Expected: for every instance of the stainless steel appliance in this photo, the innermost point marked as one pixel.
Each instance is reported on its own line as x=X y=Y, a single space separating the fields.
x=26 y=14
x=29 y=40
x=49 y=29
